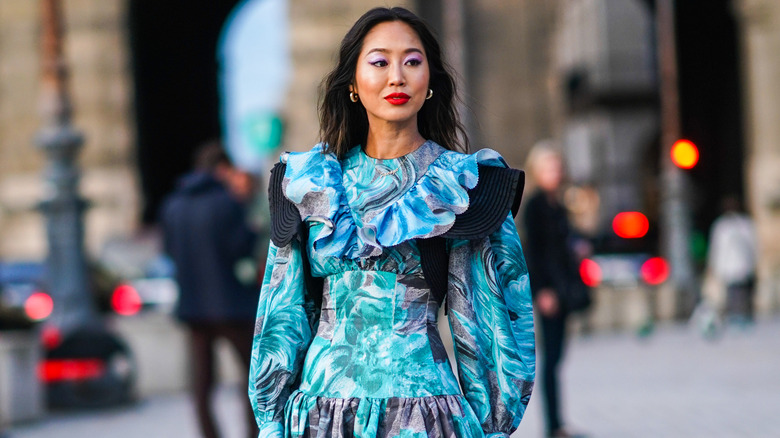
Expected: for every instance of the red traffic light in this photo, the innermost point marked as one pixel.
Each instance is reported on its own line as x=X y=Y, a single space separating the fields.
x=630 y=224
x=685 y=154
x=654 y=271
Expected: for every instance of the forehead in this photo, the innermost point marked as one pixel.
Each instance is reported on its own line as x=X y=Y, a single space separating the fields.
x=392 y=35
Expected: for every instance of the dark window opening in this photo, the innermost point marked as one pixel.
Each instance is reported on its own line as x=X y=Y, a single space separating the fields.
x=173 y=45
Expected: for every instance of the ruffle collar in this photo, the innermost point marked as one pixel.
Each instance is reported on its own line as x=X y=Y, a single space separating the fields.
x=314 y=182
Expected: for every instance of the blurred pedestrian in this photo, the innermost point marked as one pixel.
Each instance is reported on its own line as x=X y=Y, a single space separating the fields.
x=553 y=268
x=732 y=259
x=206 y=233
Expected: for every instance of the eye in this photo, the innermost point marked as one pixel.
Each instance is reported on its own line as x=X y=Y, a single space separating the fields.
x=414 y=61
x=378 y=63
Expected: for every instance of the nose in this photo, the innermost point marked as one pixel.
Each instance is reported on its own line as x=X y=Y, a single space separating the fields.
x=397 y=75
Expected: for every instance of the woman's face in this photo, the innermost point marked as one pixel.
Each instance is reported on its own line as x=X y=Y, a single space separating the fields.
x=392 y=74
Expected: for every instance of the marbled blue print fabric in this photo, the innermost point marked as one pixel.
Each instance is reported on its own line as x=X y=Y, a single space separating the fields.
x=371 y=362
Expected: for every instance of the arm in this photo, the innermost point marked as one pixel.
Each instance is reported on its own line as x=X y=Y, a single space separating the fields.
x=542 y=264
x=282 y=336
x=490 y=313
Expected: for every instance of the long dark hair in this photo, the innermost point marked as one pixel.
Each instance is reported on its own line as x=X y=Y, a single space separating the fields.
x=344 y=124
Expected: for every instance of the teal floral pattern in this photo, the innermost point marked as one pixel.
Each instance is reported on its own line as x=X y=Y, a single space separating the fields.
x=370 y=362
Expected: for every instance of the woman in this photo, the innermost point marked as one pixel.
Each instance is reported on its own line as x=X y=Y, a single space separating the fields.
x=367 y=229
x=554 y=269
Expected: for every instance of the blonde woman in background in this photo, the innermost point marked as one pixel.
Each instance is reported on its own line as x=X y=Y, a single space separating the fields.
x=553 y=268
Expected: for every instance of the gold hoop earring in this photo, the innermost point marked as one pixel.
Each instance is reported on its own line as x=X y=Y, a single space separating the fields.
x=353 y=96
x=430 y=94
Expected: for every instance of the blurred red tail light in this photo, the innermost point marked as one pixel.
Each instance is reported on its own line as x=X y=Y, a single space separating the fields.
x=590 y=271
x=56 y=370
x=630 y=224
x=38 y=306
x=655 y=271
x=51 y=337
x=125 y=300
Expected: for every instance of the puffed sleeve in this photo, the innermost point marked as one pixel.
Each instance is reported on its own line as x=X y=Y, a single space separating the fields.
x=283 y=332
x=490 y=314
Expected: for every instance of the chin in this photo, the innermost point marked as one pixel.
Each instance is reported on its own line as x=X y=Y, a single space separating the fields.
x=402 y=117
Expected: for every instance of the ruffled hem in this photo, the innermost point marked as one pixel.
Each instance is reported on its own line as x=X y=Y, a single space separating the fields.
x=435 y=416
x=313 y=181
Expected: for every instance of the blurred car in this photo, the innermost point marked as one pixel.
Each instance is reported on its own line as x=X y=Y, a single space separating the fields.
x=624 y=270
x=625 y=255
x=83 y=368
x=132 y=276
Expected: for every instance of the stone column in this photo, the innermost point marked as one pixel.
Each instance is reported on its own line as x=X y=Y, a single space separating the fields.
x=760 y=32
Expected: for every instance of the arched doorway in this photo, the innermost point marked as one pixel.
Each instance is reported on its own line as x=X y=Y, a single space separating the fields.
x=174 y=65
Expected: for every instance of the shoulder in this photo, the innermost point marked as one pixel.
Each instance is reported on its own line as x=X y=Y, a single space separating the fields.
x=307 y=171
x=494 y=190
x=296 y=175
x=485 y=156
x=297 y=160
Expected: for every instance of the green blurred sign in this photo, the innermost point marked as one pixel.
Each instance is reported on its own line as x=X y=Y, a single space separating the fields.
x=263 y=132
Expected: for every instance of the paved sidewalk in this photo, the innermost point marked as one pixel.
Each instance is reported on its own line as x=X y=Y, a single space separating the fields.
x=672 y=384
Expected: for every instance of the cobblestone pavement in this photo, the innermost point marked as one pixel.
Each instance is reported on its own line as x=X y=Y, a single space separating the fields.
x=673 y=383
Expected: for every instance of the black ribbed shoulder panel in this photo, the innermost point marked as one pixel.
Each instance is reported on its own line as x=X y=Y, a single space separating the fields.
x=435 y=261
x=286 y=224
x=498 y=191
x=285 y=219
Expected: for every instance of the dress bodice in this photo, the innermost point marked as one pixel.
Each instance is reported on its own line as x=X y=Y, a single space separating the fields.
x=377 y=335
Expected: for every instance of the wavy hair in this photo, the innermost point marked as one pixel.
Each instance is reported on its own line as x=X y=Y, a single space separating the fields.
x=344 y=124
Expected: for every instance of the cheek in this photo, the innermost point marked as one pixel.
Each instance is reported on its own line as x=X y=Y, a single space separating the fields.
x=426 y=79
x=418 y=78
x=425 y=73
x=367 y=79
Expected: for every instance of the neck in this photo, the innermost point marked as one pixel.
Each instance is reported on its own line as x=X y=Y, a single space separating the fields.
x=392 y=141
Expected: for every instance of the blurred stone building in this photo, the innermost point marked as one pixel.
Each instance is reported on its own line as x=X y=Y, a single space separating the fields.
x=508 y=91
x=759 y=22
x=727 y=62
x=521 y=64
x=100 y=84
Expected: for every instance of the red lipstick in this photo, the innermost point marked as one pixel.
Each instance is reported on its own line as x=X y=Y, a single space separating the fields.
x=397 y=98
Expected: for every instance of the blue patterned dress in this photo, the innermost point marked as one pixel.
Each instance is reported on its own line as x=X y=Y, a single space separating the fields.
x=370 y=362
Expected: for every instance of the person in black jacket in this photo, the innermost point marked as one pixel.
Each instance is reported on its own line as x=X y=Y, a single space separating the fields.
x=206 y=233
x=552 y=268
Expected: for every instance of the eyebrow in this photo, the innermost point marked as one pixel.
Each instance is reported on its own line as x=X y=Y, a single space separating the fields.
x=382 y=50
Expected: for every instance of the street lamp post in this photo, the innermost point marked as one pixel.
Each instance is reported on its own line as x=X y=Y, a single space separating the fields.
x=62 y=206
x=675 y=210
